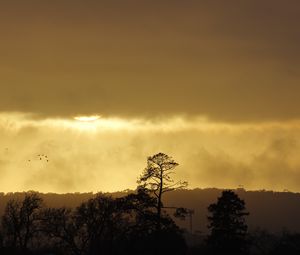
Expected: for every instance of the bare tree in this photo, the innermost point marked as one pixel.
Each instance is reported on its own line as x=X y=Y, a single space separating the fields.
x=95 y=225
x=157 y=179
x=62 y=230
x=101 y=219
x=20 y=221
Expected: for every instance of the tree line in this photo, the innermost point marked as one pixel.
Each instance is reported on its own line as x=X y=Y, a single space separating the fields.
x=137 y=223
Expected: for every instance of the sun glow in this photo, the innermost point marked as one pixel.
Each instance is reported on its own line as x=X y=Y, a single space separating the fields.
x=87 y=118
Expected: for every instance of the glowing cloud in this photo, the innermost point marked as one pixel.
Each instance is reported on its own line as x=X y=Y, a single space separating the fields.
x=87 y=118
x=108 y=154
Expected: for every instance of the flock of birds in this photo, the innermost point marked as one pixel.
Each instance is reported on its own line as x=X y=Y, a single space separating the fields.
x=41 y=157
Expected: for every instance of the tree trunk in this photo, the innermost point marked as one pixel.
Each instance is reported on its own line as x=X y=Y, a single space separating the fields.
x=159 y=202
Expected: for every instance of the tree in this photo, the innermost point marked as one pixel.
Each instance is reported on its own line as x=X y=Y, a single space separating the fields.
x=61 y=230
x=157 y=179
x=20 y=221
x=142 y=235
x=228 y=225
x=103 y=223
x=95 y=226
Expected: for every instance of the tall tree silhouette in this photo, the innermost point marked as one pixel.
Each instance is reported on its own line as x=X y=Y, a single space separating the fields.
x=142 y=237
x=156 y=178
x=228 y=225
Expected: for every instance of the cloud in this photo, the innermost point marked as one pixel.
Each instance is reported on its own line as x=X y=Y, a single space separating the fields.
x=237 y=61
x=109 y=154
x=275 y=167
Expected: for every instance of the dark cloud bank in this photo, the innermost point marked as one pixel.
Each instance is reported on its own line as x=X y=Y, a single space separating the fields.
x=234 y=61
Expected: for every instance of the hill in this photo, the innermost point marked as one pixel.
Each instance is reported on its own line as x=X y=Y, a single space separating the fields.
x=272 y=211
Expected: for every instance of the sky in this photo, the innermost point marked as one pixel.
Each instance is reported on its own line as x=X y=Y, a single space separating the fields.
x=214 y=84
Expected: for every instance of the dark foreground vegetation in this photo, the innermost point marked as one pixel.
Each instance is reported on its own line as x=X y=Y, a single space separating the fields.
x=136 y=223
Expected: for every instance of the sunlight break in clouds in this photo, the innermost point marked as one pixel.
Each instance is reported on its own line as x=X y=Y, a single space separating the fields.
x=109 y=153
x=87 y=118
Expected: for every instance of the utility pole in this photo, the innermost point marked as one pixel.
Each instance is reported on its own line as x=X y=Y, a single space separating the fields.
x=191 y=212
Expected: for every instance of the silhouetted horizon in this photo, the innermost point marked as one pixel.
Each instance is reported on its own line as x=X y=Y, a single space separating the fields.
x=286 y=204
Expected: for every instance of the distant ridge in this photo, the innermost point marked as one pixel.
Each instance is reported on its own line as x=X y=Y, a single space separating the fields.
x=272 y=211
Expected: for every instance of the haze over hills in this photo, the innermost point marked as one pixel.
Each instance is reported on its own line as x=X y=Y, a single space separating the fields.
x=272 y=211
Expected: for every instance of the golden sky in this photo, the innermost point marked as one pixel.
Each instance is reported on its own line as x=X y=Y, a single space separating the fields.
x=215 y=84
